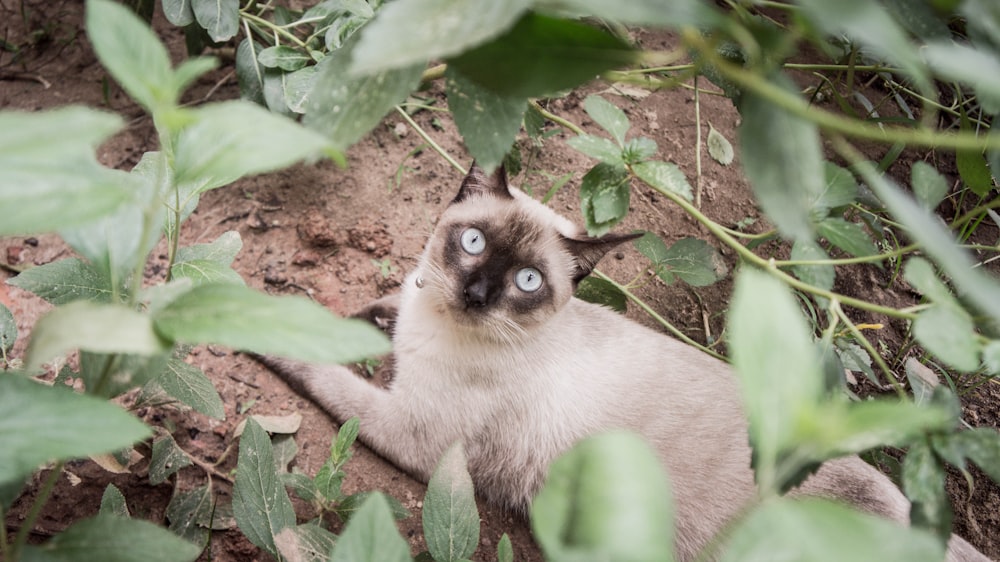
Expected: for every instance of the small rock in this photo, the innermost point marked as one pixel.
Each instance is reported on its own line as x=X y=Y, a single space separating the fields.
x=14 y=256
x=306 y=258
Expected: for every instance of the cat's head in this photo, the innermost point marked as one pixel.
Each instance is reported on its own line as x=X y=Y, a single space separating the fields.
x=500 y=263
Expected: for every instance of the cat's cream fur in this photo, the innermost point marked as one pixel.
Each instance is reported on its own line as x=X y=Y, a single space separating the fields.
x=519 y=378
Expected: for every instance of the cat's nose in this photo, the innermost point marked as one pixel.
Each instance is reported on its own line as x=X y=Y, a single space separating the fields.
x=477 y=294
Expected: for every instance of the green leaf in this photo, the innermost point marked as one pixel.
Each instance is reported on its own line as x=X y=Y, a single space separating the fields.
x=260 y=503
x=841 y=189
x=110 y=538
x=210 y=263
x=599 y=291
x=505 y=551
x=446 y=27
x=8 y=330
x=178 y=12
x=673 y=13
x=597 y=147
x=968 y=64
x=937 y=241
x=64 y=281
x=345 y=107
x=340 y=450
x=923 y=482
x=837 y=428
x=982 y=446
x=233 y=139
x=929 y=186
x=991 y=357
x=821 y=276
x=638 y=150
x=166 y=458
x=285 y=450
x=350 y=505
x=815 y=530
x=298 y=87
x=690 y=259
x=664 y=176
x=608 y=498
x=233 y=315
x=780 y=372
x=719 y=147
x=249 y=71
x=48 y=423
x=949 y=333
x=769 y=134
x=920 y=273
x=96 y=327
x=48 y=171
x=132 y=53
x=919 y=18
x=302 y=485
x=608 y=116
x=307 y=542
x=848 y=236
x=328 y=482
x=487 y=122
x=869 y=24
x=220 y=18
x=371 y=535
x=450 y=517
x=113 y=502
x=186 y=509
x=283 y=57
x=604 y=197
x=540 y=55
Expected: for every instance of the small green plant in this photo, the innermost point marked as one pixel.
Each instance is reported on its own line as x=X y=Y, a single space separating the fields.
x=130 y=334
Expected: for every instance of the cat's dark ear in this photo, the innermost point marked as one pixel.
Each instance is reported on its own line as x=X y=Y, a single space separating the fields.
x=588 y=251
x=478 y=182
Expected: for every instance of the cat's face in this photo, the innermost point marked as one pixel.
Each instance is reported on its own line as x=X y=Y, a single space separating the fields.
x=500 y=264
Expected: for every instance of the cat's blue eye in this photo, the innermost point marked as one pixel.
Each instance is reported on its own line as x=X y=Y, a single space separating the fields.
x=528 y=279
x=473 y=241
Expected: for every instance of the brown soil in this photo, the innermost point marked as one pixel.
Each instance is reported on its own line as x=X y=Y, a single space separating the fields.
x=320 y=231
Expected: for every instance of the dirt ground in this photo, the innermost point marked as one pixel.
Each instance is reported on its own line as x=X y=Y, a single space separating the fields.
x=345 y=237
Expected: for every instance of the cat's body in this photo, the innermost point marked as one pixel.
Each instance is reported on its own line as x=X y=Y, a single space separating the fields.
x=519 y=376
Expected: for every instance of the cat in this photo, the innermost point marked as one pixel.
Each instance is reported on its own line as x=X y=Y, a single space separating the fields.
x=491 y=348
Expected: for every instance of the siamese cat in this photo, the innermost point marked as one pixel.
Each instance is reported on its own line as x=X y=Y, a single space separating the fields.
x=491 y=348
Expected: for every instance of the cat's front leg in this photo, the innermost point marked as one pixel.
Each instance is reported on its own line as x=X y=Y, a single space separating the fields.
x=381 y=313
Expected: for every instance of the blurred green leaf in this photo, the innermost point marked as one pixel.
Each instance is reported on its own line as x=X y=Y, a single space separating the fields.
x=505 y=551
x=249 y=71
x=110 y=538
x=371 y=535
x=166 y=458
x=608 y=116
x=232 y=315
x=260 y=503
x=841 y=189
x=814 y=529
x=949 y=333
x=298 y=87
x=719 y=147
x=919 y=18
x=446 y=27
x=929 y=186
x=210 y=263
x=664 y=176
x=781 y=377
x=352 y=503
x=47 y=423
x=8 y=330
x=113 y=502
x=666 y=13
x=450 y=517
x=103 y=328
x=982 y=446
x=969 y=65
x=178 y=12
x=821 y=276
x=599 y=291
x=848 y=236
x=284 y=57
x=608 y=498
x=233 y=139
x=540 y=55
x=65 y=281
x=604 y=197
x=344 y=107
x=49 y=173
x=923 y=482
x=769 y=135
x=307 y=543
x=187 y=509
x=220 y=18
x=132 y=53
x=597 y=147
x=487 y=122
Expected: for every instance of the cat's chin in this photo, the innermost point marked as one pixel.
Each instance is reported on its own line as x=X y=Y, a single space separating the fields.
x=484 y=326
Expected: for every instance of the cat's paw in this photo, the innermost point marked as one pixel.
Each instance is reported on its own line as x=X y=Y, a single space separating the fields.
x=381 y=313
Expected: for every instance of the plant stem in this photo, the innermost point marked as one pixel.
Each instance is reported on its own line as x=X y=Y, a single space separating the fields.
x=794 y=104
x=423 y=134
x=36 y=509
x=861 y=339
x=278 y=30
x=556 y=119
x=653 y=314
